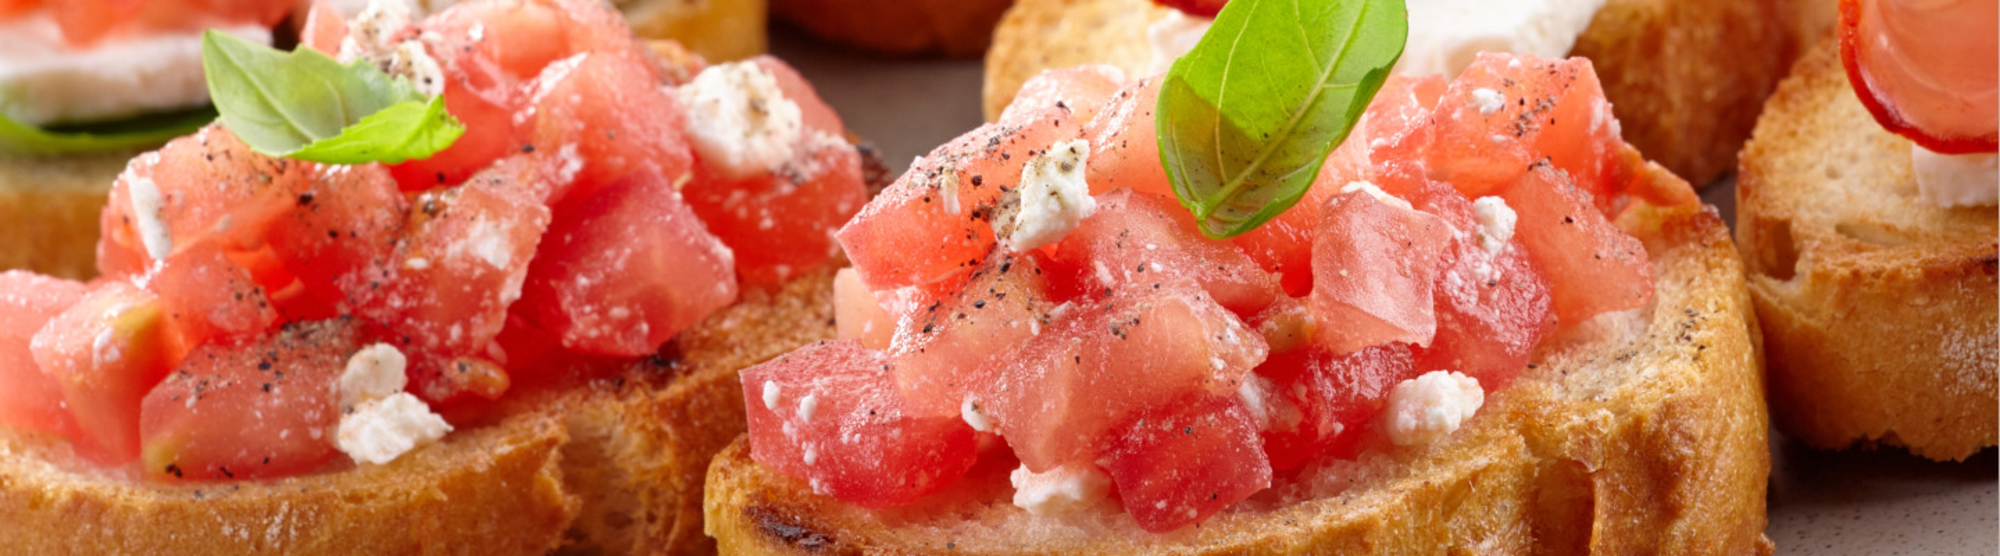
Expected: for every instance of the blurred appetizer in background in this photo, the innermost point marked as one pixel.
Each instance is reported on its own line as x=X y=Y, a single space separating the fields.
x=1865 y=207
x=1686 y=77
x=958 y=28
x=84 y=85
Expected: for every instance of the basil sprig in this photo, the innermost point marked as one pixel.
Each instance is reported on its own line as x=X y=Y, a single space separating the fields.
x=305 y=105
x=1246 y=118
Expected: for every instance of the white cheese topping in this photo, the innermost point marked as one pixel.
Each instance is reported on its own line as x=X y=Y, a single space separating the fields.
x=1054 y=196
x=771 y=396
x=1488 y=100
x=1961 y=180
x=375 y=372
x=1496 y=223
x=146 y=204
x=1377 y=193
x=379 y=421
x=1172 y=37
x=1255 y=392
x=1446 y=34
x=378 y=37
x=382 y=430
x=975 y=416
x=1067 y=488
x=1427 y=408
x=44 y=80
x=739 y=121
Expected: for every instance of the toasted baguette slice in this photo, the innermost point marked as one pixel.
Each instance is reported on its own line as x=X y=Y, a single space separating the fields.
x=957 y=28
x=1879 y=309
x=719 y=30
x=49 y=206
x=1658 y=60
x=615 y=466
x=1648 y=437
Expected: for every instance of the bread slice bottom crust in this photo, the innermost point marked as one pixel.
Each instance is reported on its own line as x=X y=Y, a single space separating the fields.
x=1651 y=438
x=49 y=205
x=1658 y=60
x=613 y=466
x=1879 y=310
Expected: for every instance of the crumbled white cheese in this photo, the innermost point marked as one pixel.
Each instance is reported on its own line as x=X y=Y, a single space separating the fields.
x=486 y=240
x=146 y=204
x=1173 y=36
x=1255 y=392
x=1067 y=488
x=739 y=121
x=1496 y=223
x=808 y=406
x=1488 y=100
x=379 y=421
x=1054 y=196
x=1427 y=408
x=1961 y=180
x=1445 y=35
x=975 y=416
x=380 y=431
x=412 y=61
x=1376 y=192
x=771 y=397
x=373 y=373
x=45 y=80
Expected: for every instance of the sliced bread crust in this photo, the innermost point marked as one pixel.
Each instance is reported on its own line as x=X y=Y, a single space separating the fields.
x=1880 y=309
x=49 y=206
x=1658 y=59
x=1649 y=438
x=615 y=466
x=957 y=28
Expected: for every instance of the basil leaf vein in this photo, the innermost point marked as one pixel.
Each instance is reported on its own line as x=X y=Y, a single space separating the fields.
x=305 y=105
x=1246 y=118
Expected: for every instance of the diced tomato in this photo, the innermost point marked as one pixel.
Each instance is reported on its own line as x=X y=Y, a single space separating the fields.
x=85 y=21
x=490 y=133
x=1492 y=308
x=105 y=352
x=1136 y=240
x=829 y=413
x=1387 y=134
x=1176 y=467
x=1592 y=266
x=1506 y=111
x=206 y=185
x=858 y=315
x=1317 y=402
x=625 y=268
x=1124 y=146
x=445 y=291
x=1083 y=90
x=1198 y=8
x=261 y=409
x=1927 y=70
x=345 y=224
x=945 y=346
x=781 y=223
x=1375 y=266
x=324 y=28
x=31 y=399
x=604 y=116
x=206 y=295
x=932 y=226
x=1102 y=363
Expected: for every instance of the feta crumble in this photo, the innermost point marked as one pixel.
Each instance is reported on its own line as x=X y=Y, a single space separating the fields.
x=1377 y=193
x=380 y=422
x=739 y=120
x=1488 y=100
x=1063 y=489
x=1427 y=408
x=1054 y=196
x=1496 y=223
x=975 y=416
x=146 y=205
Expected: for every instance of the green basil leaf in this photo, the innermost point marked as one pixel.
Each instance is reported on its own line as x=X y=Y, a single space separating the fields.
x=144 y=131
x=303 y=104
x=1246 y=118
